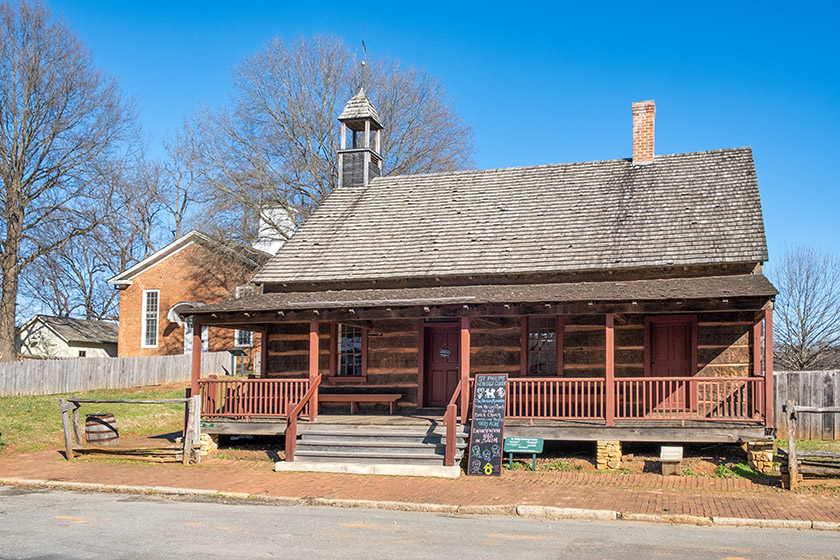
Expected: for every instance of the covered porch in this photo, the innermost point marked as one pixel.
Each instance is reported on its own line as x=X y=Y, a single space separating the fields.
x=682 y=359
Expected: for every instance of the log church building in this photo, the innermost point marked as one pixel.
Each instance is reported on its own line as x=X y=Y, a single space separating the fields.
x=623 y=298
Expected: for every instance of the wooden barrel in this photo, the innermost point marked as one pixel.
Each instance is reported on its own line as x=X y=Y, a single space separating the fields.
x=101 y=429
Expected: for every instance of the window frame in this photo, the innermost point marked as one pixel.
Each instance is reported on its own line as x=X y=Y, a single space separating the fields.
x=334 y=354
x=188 y=336
x=560 y=327
x=237 y=344
x=145 y=316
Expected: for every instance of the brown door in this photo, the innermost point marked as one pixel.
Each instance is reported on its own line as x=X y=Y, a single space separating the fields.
x=442 y=356
x=671 y=353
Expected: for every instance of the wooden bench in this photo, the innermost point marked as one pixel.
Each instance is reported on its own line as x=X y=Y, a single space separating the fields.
x=355 y=399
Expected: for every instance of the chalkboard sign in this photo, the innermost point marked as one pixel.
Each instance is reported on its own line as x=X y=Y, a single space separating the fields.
x=486 y=430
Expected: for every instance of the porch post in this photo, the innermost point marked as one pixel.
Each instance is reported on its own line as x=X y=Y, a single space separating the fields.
x=196 y=357
x=609 y=413
x=768 y=368
x=756 y=342
x=465 y=368
x=314 y=356
x=263 y=352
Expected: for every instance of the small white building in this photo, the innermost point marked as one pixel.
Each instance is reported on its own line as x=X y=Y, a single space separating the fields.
x=44 y=337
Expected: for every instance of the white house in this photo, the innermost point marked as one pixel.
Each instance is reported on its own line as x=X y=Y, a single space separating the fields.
x=44 y=336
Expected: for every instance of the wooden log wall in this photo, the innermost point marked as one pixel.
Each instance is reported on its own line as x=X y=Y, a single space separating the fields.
x=723 y=345
x=495 y=345
x=724 y=349
x=392 y=358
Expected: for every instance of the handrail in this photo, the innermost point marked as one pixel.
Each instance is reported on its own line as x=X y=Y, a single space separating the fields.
x=291 y=421
x=450 y=420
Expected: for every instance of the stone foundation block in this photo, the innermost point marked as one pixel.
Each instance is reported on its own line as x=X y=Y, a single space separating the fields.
x=608 y=455
x=760 y=456
x=209 y=443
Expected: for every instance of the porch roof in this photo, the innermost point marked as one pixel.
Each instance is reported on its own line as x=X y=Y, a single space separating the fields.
x=707 y=287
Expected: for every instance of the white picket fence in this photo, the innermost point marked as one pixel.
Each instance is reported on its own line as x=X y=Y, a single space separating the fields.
x=46 y=377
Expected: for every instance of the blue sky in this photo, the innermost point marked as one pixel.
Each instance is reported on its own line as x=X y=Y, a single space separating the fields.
x=539 y=83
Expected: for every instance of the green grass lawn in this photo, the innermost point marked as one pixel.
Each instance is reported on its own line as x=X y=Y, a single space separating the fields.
x=33 y=423
x=811 y=445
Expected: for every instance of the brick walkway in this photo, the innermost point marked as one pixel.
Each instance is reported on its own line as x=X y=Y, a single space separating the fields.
x=643 y=493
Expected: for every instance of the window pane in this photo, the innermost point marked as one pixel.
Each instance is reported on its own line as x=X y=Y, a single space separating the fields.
x=150 y=318
x=244 y=338
x=349 y=350
x=542 y=346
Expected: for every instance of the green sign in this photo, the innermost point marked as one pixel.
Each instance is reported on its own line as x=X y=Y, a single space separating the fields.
x=531 y=445
x=523 y=445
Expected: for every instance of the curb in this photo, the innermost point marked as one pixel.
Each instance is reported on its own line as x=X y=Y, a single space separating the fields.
x=530 y=511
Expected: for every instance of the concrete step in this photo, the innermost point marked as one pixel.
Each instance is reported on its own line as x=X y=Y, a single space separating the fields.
x=364 y=431
x=365 y=444
x=368 y=458
x=375 y=446
x=368 y=437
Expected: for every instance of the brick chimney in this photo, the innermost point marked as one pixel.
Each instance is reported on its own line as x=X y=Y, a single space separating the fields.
x=644 y=114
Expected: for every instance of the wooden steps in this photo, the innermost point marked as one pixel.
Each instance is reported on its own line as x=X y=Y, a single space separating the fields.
x=359 y=444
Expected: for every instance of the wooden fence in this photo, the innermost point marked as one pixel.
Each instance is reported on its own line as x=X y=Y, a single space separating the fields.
x=813 y=389
x=46 y=377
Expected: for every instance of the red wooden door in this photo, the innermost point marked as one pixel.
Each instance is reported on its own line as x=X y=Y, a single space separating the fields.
x=441 y=375
x=671 y=353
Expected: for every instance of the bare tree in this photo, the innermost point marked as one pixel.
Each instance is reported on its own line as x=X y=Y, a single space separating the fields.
x=181 y=182
x=60 y=119
x=275 y=146
x=807 y=308
x=71 y=280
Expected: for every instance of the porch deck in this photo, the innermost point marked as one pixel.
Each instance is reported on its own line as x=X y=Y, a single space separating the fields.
x=559 y=430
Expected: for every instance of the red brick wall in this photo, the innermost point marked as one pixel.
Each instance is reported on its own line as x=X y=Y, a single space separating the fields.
x=192 y=274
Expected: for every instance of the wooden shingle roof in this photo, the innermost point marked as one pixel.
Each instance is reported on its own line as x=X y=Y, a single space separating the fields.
x=358 y=108
x=698 y=208
x=656 y=289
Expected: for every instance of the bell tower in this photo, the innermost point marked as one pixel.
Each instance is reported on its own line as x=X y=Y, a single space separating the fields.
x=361 y=161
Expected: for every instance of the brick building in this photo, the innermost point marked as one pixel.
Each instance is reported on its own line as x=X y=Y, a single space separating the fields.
x=195 y=268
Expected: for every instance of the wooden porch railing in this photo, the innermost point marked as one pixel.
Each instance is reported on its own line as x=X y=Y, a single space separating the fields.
x=638 y=398
x=294 y=413
x=549 y=398
x=450 y=421
x=250 y=398
x=690 y=398
x=555 y=398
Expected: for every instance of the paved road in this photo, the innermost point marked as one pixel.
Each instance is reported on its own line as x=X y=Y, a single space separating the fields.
x=54 y=524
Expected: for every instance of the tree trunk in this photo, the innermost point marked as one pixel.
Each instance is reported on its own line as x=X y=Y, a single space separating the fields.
x=8 y=304
x=10 y=271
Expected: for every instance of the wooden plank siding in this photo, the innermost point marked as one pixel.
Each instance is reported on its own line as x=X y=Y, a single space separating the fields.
x=809 y=388
x=46 y=377
x=393 y=355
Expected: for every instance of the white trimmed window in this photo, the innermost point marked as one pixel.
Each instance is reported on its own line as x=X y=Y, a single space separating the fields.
x=188 y=337
x=151 y=306
x=244 y=339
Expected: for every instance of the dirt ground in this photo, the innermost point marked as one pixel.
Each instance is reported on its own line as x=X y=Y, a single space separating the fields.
x=638 y=458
